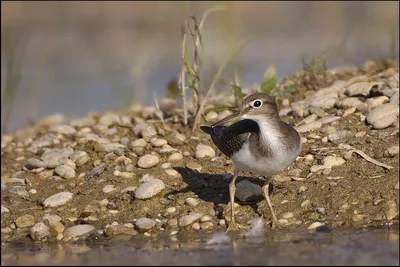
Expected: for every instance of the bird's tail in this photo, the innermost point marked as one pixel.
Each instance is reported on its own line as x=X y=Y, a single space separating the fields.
x=206 y=129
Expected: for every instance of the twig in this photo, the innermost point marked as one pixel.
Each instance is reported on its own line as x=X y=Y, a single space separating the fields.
x=182 y=78
x=368 y=158
x=159 y=112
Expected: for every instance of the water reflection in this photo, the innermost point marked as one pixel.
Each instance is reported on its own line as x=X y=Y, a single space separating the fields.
x=375 y=246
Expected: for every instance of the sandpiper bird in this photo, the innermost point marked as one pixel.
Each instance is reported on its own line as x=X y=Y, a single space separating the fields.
x=260 y=143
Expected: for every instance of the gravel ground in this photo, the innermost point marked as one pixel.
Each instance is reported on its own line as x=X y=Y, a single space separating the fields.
x=130 y=173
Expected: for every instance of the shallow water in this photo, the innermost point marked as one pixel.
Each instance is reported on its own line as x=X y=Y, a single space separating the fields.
x=376 y=246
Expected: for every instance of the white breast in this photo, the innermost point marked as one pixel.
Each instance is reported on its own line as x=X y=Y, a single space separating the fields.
x=266 y=166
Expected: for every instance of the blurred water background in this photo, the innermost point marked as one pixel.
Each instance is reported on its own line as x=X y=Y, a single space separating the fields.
x=76 y=57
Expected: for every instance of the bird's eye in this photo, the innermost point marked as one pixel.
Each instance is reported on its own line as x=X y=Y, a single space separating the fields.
x=257 y=104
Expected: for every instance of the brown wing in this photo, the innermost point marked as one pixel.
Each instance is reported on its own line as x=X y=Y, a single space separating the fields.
x=230 y=139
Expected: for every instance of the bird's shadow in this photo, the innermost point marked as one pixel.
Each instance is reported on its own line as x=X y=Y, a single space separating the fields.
x=213 y=187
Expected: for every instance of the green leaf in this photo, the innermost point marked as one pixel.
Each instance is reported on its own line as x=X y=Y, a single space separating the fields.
x=237 y=91
x=172 y=90
x=269 y=80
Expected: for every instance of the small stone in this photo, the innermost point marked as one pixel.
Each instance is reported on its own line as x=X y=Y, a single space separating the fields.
x=288 y=215
x=392 y=151
x=57 y=227
x=39 y=231
x=315 y=225
x=211 y=116
x=349 y=102
x=172 y=222
x=376 y=101
x=80 y=158
x=55 y=157
x=149 y=189
x=203 y=151
x=324 y=101
x=285 y=102
x=321 y=211
x=383 y=116
x=144 y=224
x=192 y=201
x=309 y=157
x=282 y=178
x=391 y=210
x=349 y=111
x=62 y=129
x=175 y=156
x=189 y=219
x=37 y=163
x=360 y=88
x=171 y=172
x=360 y=134
x=302 y=189
x=157 y=142
x=194 y=166
x=305 y=203
x=115 y=230
x=247 y=191
x=58 y=199
x=171 y=210
x=65 y=171
x=358 y=217
x=4 y=209
x=108 y=189
x=196 y=226
x=331 y=161
x=309 y=126
x=148 y=161
x=25 y=221
x=339 y=136
x=394 y=99
x=139 y=143
x=147 y=132
x=77 y=231
x=51 y=218
x=205 y=218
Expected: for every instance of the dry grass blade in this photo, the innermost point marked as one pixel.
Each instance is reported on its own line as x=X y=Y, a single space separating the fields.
x=374 y=161
x=224 y=64
x=182 y=76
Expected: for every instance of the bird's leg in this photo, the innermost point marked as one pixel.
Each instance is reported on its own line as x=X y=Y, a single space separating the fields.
x=265 y=189
x=232 y=188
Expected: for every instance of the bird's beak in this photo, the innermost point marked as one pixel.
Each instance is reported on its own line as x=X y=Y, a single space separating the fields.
x=227 y=119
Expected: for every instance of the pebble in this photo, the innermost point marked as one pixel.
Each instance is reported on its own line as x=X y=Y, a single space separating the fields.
x=288 y=215
x=339 y=136
x=175 y=156
x=55 y=157
x=331 y=161
x=358 y=217
x=392 y=151
x=315 y=225
x=58 y=199
x=391 y=210
x=247 y=191
x=171 y=209
x=62 y=129
x=376 y=101
x=349 y=111
x=309 y=157
x=383 y=116
x=51 y=218
x=104 y=145
x=205 y=218
x=108 y=189
x=39 y=231
x=203 y=151
x=285 y=102
x=300 y=108
x=171 y=172
x=77 y=231
x=305 y=203
x=325 y=98
x=360 y=88
x=189 y=219
x=37 y=163
x=211 y=116
x=44 y=141
x=282 y=178
x=194 y=166
x=196 y=226
x=65 y=171
x=4 y=209
x=158 y=142
x=144 y=224
x=321 y=211
x=394 y=99
x=57 y=226
x=148 y=161
x=349 y=102
x=192 y=201
x=149 y=189
x=19 y=190
x=115 y=230
x=25 y=221
x=309 y=126
x=80 y=158
x=139 y=143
